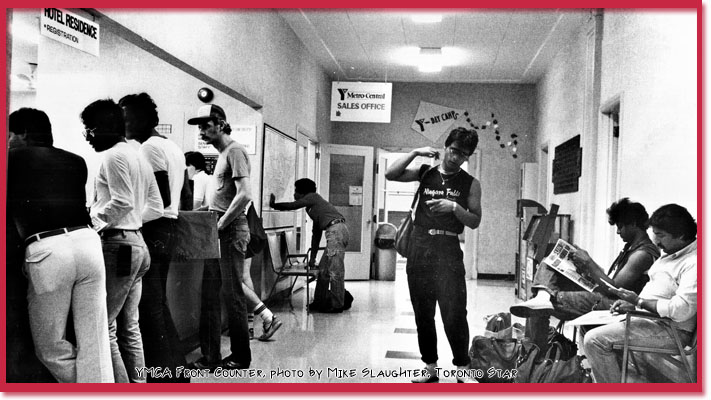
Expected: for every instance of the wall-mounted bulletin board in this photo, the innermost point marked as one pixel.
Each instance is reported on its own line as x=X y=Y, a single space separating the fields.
x=278 y=176
x=567 y=166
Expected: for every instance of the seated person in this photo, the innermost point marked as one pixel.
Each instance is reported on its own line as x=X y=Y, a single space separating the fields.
x=556 y=295
x=670 y=292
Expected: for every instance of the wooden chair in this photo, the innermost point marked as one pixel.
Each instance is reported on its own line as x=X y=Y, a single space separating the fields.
x=678 y=356
x=286 y=265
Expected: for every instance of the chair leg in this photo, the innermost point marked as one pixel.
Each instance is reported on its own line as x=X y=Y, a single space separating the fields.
x=271 y=292
x=308 y=301
x=291 y=291
x=626 y=349
x=682 y=354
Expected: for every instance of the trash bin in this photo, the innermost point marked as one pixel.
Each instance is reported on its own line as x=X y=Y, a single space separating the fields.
x=385 y=255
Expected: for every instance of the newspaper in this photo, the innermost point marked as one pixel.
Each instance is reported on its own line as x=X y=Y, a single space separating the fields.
x=558 y=260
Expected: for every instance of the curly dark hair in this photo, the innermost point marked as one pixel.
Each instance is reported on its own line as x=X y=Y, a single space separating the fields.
x=104 y=115
x=467 y=138
x=305 y=186
x=143 y=105
x=628 y=212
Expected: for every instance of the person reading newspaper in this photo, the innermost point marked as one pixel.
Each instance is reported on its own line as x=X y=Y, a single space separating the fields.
x=585 y=286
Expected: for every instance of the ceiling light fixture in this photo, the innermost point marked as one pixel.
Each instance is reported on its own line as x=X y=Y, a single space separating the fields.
x=426 y=18
x=430 y=59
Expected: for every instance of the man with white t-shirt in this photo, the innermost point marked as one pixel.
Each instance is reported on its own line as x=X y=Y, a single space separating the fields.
x=161 y=342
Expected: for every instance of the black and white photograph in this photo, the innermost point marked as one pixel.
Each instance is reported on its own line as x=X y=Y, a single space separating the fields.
x=354 y=199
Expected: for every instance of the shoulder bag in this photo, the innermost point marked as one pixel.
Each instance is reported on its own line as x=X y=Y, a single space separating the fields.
x=257 y=236
x=402 y=236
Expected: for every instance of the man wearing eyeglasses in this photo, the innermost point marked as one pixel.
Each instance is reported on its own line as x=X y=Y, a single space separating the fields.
x=449 y=200
x=125 y=196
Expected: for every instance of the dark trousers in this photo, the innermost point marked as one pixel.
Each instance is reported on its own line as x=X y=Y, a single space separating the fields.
x=161 y=343
x=435 y=275
x=569 y=302
x=222 y=279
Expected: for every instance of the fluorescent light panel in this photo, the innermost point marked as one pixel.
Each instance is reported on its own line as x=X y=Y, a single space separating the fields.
x=430 y=59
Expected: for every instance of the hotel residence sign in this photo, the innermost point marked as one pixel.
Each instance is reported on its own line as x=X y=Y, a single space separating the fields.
x=70 y=29
x=361 y=101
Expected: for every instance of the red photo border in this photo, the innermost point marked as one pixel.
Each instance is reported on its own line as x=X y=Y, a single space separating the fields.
x=627 y=388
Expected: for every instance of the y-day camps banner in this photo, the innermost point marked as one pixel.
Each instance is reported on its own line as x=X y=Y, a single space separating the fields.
x=432 y=120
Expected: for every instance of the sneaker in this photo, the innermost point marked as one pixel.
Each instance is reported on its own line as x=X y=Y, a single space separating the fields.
x=430 y=375
x=231 y=363
x=535 y=307
x=202 y=363
x=270 y=328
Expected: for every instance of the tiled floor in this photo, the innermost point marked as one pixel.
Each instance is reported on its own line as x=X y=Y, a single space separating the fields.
x=369 y=343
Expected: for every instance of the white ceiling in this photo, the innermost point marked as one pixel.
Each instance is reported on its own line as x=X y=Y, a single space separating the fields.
x=497 y=46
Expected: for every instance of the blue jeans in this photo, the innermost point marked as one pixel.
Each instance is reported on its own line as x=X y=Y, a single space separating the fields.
x=605 y=362
x=330 y=285
x=569 y=302
x=123 y=289
x=161 y=343
x=67 y=272
x=435 y=275
x=222 y=278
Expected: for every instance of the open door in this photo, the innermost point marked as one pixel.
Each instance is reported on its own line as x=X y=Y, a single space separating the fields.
x=347 y=183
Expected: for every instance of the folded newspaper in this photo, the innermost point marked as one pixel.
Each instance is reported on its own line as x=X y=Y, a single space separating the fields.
x=558 y=260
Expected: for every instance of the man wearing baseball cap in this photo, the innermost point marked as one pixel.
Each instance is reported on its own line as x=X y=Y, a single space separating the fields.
x=222 y=277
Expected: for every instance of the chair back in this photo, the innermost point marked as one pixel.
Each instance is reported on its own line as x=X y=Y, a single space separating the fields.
x=277 y=250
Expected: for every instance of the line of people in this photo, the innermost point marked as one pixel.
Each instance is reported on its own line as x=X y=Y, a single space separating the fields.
x=105 y=267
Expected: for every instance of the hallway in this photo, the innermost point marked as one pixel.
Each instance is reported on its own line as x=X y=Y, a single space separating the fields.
x=377 y=333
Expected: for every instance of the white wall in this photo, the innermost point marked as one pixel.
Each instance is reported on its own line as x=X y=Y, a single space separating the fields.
x=254 y=52
x=649 y=61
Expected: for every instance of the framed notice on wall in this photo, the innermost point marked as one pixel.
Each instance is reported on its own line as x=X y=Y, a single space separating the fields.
x=567 y=166
x=278 y=177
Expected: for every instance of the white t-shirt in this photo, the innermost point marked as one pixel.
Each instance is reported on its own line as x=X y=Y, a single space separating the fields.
x=203 y=189
x=164 y=155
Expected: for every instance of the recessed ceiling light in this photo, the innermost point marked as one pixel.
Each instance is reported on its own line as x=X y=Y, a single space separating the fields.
x=430 y=59
x=426 y=18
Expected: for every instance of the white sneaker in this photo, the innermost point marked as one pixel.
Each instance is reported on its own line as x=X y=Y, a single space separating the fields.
x=430 y=375
x=465 y=376
x=537 y=306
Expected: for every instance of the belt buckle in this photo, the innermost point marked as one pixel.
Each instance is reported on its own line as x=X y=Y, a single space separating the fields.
x=432 y=232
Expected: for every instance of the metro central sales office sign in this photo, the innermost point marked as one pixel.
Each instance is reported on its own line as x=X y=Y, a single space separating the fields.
x=70 y=29
x=361 y=101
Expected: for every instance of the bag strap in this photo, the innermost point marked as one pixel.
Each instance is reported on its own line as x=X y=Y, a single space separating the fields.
x=415 y=201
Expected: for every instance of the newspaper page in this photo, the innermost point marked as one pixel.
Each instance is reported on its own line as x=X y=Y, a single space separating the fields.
x=558 y=260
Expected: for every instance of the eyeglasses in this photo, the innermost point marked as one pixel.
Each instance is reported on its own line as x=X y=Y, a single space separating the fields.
x=88 y=132
x=456 y=152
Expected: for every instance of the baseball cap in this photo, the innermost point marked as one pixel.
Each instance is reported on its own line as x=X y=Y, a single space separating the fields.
x=207 y=112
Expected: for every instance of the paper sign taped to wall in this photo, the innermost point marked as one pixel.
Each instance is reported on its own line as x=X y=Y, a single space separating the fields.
x=432 y=120
x=355 y=195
